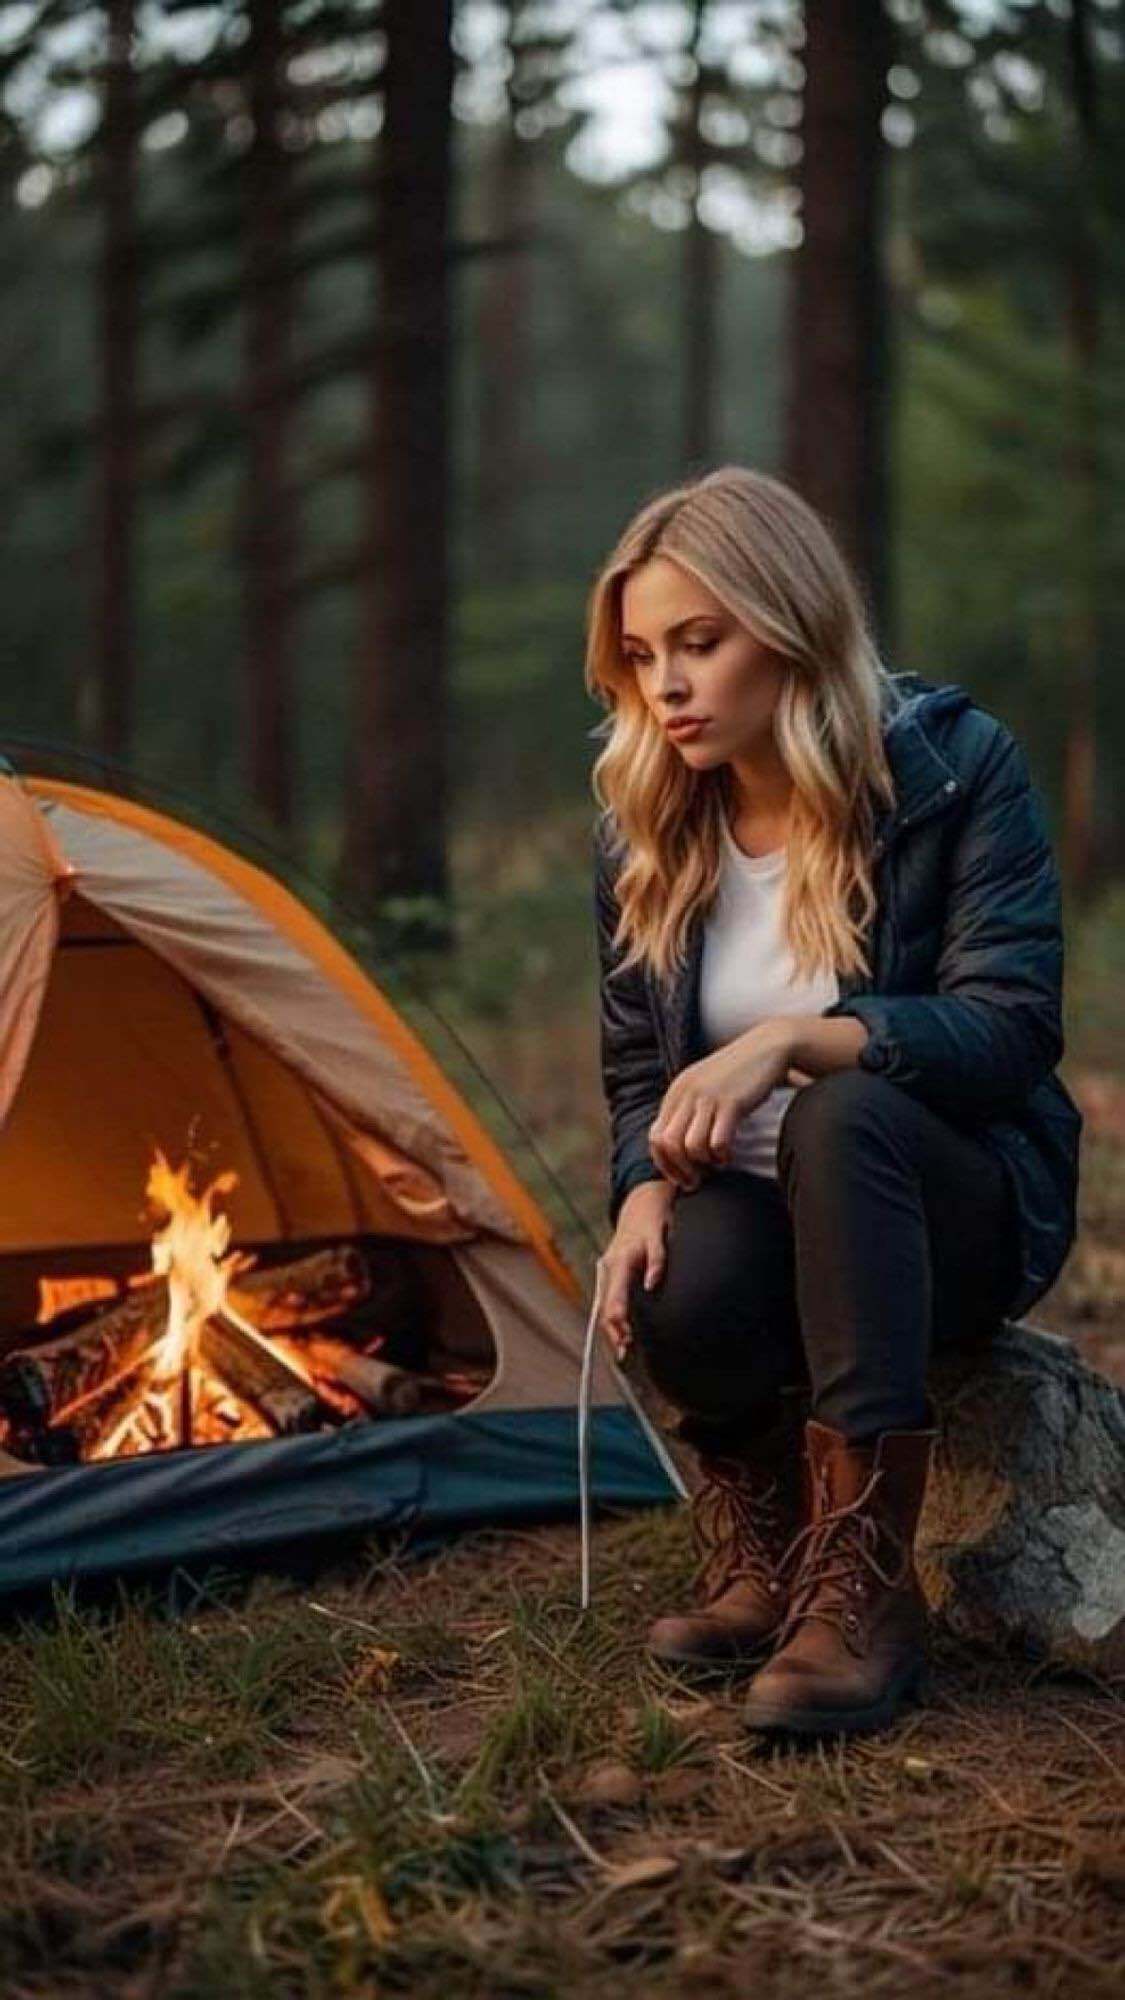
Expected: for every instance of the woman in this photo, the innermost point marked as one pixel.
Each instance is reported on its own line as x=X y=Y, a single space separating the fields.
x=831 y=967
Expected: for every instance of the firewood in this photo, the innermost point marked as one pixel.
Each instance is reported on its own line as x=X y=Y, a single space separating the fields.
x=11 y=1467
x=260 y=1375
x=218 y=1417
x=381 y=1388
x=362 y=1297
x=82 y=1426
x=316 y=1288
x=37 y=1384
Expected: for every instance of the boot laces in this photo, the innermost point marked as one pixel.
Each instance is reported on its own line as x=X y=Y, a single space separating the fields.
x=832 y=1553
x=739 y=1526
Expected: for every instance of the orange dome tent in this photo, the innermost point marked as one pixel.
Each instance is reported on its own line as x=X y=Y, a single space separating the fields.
x=155 y=983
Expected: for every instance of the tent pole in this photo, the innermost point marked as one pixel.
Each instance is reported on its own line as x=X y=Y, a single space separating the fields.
x=659 y=1448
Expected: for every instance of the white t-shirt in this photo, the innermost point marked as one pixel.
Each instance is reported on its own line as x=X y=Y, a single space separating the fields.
x=747 y=974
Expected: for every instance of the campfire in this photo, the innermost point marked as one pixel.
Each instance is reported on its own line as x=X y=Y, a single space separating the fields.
x=210 y=1347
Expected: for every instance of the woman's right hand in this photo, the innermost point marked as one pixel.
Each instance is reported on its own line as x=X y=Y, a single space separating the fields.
x=638 y=1245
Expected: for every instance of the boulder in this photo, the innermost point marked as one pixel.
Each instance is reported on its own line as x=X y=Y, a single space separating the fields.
x=1022 y=1538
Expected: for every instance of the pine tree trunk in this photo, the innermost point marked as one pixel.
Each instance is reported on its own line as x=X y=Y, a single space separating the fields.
x=268 y=538
x=1083 y=517
x=114 y=636
x=837 y=420
x=395 y=844
x=505 y=333
x=699 y=298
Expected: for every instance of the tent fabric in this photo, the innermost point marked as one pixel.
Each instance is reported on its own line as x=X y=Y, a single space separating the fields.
x=226 y=948
x=127 y=1057
x=537 y=1346
x=315 y=944
x=151 y=977
x=29 y=870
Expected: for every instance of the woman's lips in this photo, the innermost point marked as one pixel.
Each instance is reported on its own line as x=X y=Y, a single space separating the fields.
x=680 y=730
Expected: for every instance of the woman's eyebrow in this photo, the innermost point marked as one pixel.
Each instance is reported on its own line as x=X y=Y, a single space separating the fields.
x=631 y=637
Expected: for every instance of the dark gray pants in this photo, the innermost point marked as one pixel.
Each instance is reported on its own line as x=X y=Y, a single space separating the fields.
x=889 y=1231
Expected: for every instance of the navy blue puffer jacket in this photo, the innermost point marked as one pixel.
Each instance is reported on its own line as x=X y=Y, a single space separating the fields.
x=964 y=1006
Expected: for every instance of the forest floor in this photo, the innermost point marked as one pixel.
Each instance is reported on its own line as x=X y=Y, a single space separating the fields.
x=432 y=1777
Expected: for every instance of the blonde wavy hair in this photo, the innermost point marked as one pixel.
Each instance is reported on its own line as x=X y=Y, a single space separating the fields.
x=771 y=560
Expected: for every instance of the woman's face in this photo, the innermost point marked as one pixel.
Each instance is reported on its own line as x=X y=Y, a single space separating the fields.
x=691 y=656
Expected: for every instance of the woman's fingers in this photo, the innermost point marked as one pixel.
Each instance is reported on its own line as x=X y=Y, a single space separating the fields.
x=694 y=1135
x=666 y=1144
x=614 y=1314
x=644 y=1254
x=722 y=1133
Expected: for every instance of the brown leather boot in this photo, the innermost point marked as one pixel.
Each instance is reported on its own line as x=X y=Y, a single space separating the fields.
x=851 y=1647
x=745 y=1515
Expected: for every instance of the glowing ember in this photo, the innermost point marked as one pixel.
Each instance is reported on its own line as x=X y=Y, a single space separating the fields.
x=59 y=1295
x=206 y=1348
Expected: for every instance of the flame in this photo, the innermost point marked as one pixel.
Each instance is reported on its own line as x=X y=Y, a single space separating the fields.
x=190 y=1248
x=195 y=1368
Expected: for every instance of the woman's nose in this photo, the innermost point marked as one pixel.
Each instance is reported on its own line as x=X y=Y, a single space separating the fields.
x=669 y=679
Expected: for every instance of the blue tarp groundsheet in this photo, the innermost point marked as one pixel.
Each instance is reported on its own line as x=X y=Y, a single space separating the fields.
x=224 y=1503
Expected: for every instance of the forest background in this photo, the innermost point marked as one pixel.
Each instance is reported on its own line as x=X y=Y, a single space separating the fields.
x=340 y=339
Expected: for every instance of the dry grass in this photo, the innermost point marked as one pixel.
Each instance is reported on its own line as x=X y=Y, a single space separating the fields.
x=435 y=1778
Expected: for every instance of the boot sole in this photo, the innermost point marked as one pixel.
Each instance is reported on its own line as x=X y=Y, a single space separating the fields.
x=838 y=1721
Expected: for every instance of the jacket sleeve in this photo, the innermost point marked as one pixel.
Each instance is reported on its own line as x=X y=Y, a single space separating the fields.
x=632 y=1068
x=993 y=1027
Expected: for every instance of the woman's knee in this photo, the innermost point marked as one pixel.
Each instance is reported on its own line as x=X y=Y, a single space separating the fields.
x=719 y=1328
x=825 y=1117
x=702 y=1284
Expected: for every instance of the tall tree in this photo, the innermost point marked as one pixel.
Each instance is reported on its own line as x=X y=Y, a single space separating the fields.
x=114 y=633
x=839 y=396
x=267 y=520
x=1081 y=337
x=699 y=294
x=504 y=318
x=395 y=836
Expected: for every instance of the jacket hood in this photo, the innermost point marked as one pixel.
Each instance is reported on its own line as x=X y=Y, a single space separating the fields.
x=916 y=740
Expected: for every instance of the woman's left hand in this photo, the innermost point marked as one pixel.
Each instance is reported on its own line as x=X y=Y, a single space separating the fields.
x=702 y=1105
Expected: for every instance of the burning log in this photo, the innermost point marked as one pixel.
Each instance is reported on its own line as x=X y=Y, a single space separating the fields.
x=31 y=1447
x=379 y=1299
x=220 y=1418
x=11 y=1467
x=36 y=1384
x=88 y=1427
x=381 y=1388
x=317 y=1288
x=260 y=1375
x=195 y=1353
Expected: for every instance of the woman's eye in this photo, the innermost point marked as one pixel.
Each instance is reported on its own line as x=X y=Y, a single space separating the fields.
x=690 y=646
